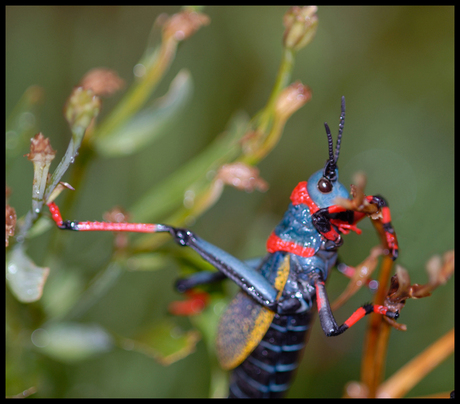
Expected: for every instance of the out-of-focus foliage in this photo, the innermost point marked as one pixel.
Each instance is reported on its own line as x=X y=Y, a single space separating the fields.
x=395 y=67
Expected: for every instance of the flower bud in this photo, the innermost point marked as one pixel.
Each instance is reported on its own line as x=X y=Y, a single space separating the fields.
x=242 y=176
x=301 y=24
x=184 y=24
x=41 y=154
x=82 y=106
x=102 y=81
x=118 y=215
x=291 y=99
x=41 y=151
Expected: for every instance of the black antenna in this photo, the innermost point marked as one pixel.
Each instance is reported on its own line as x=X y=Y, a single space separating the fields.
x=330 y=142
x=331 y=163
x=341 y=125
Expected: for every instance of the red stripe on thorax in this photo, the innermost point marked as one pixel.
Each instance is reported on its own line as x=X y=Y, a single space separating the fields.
x=274 y=244
x=300 y=195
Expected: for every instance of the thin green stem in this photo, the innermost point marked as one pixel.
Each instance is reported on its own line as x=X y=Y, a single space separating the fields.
x=141 y=90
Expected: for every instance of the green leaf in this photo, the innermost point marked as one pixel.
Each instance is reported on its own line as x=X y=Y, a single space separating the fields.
x=63 y=289
x=25 y=279
x=146 y=262
x=150 y=123
x=42 y=225
x=72 y=342
x=169 y=194
x=22 y=123
x=166 y=342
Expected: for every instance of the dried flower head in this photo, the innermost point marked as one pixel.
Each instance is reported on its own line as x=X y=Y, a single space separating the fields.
x=242 y=176
x=102 y=81
x=41 y=154
x=183 y=25
x=439 y=271
x=10 y=223
x=116 y=215
x=41 y=150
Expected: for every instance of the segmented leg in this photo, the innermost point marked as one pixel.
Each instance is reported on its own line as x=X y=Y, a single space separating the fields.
x=242 y=274
x=327 y=320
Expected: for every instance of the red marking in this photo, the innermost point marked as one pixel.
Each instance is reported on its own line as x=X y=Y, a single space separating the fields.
x=331 y=234
x=345 y=228
x=300 y=195
x=391 y=240
x=55 y=214
x=336 y=209
x=361 y=312
x=195 y=304
x=274 y=243
x=355 y=317
x=107 y=226
x=319 y=295
x=380 y=309
x=102 y=226
x=348 y=271
x=386 y=216
x=369 y=198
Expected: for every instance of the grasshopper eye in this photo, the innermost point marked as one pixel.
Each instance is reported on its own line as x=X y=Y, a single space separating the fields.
x=324 y=185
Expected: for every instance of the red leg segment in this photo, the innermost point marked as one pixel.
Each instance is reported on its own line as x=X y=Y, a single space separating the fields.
x=327 y=320
x=99 y=226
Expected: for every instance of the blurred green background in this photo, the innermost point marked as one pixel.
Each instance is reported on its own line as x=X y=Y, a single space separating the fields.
x=395 y=67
